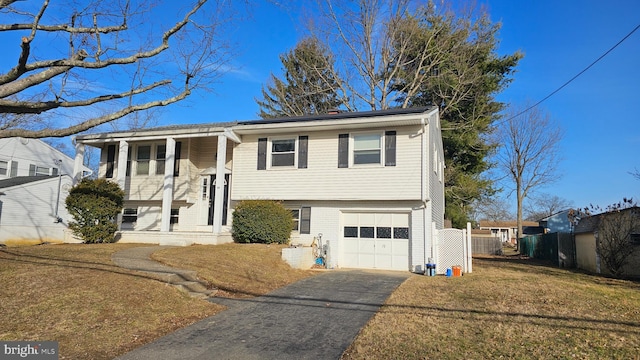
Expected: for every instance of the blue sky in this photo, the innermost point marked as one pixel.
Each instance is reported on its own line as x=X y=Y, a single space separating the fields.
x=598 y=111
x=559 y=38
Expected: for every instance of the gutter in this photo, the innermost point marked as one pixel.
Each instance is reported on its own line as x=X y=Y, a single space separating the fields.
x=424 y=190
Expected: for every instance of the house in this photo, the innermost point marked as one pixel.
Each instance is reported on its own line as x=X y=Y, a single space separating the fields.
x=369 y=184
x=507 y=231
x=588 y=232
x=34 y=183
x=558 y=222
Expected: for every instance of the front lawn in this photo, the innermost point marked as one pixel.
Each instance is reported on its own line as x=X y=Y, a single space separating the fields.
x=511 y=309
x=75 y=295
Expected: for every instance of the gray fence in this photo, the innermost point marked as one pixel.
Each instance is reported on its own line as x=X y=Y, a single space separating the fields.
x=486 y=245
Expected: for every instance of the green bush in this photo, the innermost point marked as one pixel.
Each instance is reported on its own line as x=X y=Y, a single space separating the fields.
x=261 y=221
x=94 y=205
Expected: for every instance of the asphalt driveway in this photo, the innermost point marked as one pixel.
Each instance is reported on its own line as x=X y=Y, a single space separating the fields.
x=315 y=318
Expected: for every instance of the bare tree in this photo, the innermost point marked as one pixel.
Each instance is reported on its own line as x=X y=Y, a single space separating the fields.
x=615 y=227
x=543 y=205
x=492 y=208
x=635 y=173
x=82 y=64
x=528 y=152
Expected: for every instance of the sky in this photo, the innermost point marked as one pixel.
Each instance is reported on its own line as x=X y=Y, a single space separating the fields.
x=598 y=111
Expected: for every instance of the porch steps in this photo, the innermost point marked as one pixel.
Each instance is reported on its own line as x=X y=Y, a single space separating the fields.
x=139 y=259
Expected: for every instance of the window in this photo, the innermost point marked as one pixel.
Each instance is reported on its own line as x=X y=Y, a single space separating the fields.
x=205 y=189
x=383 y=232
x=400 y=232
x=367 y=232
x=14 y=169
x=161 y=154
x=175 y=215
x=142 y=160
x=296 y=219
x=129 y=215
x=351 y=231
x=362 y=149
x=283 y=152
x=35 y=170
x=4 y=165
x=366 y=149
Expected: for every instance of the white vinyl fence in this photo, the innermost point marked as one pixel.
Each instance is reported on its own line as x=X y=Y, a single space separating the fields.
x=453 y=247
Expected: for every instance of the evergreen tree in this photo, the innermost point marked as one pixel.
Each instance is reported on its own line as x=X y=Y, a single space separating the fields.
x=307 y=87
x=461 y=74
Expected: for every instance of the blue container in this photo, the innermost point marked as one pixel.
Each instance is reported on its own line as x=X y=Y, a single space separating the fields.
x=449 y=272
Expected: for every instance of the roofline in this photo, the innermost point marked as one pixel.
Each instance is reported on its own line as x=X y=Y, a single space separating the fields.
x=272 y=125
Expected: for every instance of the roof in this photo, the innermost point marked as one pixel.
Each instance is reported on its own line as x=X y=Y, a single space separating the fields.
x=340 y=115
x=341 y=120
x=21 y=180
x=554 y=214
x=590 y=223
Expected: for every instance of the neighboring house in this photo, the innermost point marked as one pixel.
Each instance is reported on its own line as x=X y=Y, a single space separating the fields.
x=558 y=222
x=31 y=157
x=33 y=208
x=34 y=182
x=507 y=231
x=370 y=184
x=586 y=237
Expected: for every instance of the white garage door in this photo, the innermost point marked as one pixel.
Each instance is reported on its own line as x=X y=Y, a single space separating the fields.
x=375 y=241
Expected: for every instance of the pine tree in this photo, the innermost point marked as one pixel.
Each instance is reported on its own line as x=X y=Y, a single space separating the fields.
x=307 y=87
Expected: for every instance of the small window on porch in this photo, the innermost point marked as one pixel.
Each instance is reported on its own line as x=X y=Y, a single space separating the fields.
x=175 y=215
x=142 y=160
x=161 y=154
x=129 y=215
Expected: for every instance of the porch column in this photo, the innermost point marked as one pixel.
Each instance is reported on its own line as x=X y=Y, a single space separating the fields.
x=122 y=163
x=167 y=189
x=78 y=164
x=218 y=201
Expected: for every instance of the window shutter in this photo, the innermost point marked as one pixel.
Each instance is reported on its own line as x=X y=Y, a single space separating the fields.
x=176 y=161
x=390 y=148
x=111 y=156
x=343 y=150
x=303 y=143
x=262 y=154
x=14 y=169
x=32 y=170
x=305 y=220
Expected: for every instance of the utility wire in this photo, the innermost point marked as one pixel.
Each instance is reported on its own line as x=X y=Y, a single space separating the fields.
x=576 y=76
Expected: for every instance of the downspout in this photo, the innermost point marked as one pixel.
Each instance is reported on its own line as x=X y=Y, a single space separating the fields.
x=424 y=195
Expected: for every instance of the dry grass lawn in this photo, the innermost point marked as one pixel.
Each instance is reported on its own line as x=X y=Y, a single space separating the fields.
x=75 y=295
x=236 y=270
x=511 y=309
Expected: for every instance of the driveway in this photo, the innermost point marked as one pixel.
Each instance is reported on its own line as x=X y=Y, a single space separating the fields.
x=315 y=318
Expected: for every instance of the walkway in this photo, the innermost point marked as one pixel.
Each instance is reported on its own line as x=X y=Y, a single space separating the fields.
x=315 y=318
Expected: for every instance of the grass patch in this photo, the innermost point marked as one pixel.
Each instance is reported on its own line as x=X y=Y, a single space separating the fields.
x=74 y=294
x=237 y=270
x=507 y=308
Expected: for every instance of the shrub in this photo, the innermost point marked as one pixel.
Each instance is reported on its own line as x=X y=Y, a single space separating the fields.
x=261 y=221
x=94 y=205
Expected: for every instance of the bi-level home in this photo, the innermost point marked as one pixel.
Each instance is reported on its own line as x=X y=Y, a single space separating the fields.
x=370 y=184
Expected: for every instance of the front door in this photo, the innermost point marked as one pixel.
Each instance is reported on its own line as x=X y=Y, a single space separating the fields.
x=212 y=196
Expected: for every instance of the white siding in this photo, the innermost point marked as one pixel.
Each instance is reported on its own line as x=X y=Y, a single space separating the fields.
x=28 y=211
x=26 y=152
x=323 y=180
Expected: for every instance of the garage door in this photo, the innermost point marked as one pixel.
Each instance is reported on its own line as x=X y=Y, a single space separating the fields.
x=375 y=241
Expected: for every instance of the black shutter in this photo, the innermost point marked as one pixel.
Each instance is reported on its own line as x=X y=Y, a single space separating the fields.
x=343 y=150
x=262 y=154
x=303 y=144
x=305 y=220
x=111 y=157
x=176 y=161
x=390 y=148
